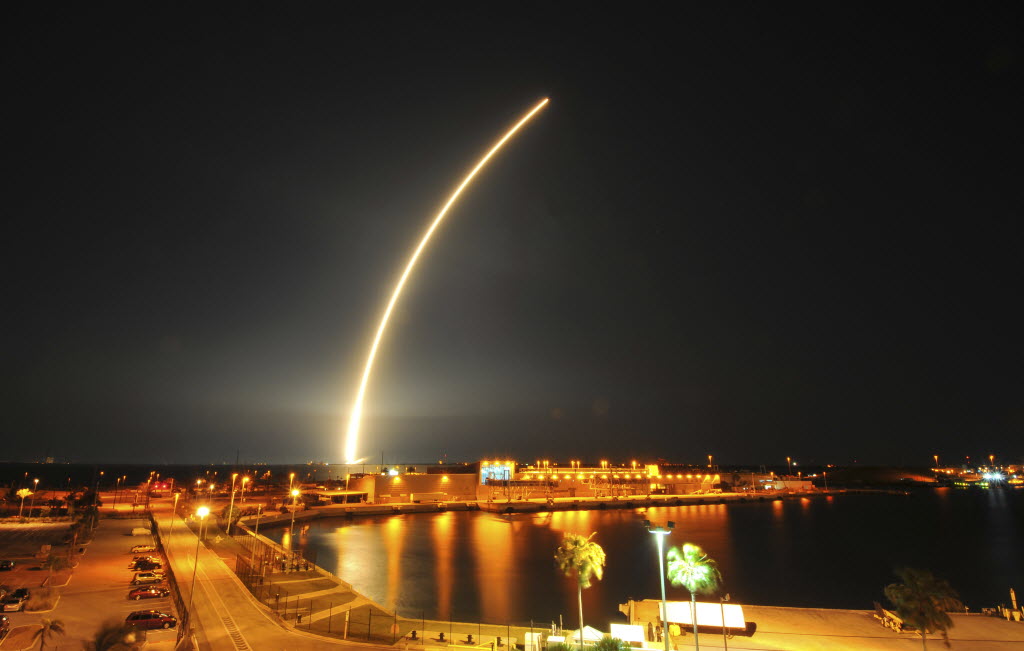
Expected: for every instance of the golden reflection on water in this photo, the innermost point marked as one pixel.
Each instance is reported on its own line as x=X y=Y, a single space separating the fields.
x=571 y=522
x=393 y=532
x=494 y=550
x=441 y=530
x=706 y=525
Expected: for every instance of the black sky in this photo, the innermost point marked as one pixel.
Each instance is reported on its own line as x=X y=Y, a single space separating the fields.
x=746 y=230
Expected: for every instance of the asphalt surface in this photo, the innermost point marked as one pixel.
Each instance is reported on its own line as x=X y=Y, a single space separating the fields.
x=96 y=591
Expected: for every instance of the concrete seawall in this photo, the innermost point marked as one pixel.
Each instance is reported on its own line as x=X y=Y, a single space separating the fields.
x=536 y=505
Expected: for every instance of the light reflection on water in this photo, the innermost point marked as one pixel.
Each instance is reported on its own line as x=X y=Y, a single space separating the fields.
x=836 y=552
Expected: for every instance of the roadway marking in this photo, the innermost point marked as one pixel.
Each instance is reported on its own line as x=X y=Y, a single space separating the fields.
x=226 y=620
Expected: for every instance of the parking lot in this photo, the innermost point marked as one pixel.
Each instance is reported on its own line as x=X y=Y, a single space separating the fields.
x=96 y=592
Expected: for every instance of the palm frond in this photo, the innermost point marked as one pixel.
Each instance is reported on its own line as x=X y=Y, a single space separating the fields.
x=693 y=569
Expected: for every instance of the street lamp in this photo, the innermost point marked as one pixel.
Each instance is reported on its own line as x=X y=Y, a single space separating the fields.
x=295 y=497
x=259 y=512
x=201 y=512
x=789 y=463
x=659 y=535
x=173 y=511
x=242 y=496
x=231 y=508
x=709 y=461
x=725 y=633
x=32 y=502
x=936 y=457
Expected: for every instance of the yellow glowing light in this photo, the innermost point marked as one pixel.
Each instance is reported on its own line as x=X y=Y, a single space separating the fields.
x=352 y=436
x=203 y=511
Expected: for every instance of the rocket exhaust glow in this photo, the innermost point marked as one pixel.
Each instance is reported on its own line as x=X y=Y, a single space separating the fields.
x=352 y=436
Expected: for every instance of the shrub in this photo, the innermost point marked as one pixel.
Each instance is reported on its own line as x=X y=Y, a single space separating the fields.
x=42 y=599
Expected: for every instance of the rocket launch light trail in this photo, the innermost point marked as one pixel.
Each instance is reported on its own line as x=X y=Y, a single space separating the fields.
x=352 y=437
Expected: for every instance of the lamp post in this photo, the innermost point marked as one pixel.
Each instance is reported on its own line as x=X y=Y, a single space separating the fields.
x=659 y=535
x=32 y=502
x=259 y=512
x=710 y=456
x=936 y=457
x=231 y=508
x=173 y=511
x=242 y=495
x=295 y=498
x=789 y=463
x=725 y=633
x=201 y=512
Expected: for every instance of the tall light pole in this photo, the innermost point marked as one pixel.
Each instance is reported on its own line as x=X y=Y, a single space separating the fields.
x=242 y=496
x=725 y=633
x=659 y=535
x=259 y=512
x=231 y=508
x=173 y=511
x=710 y=465
x=789 y=463
x=936 y=457
x=201 y=512
x=295 y=498
x=32 y=502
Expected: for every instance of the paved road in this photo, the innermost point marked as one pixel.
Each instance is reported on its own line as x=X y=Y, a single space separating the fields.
x=229 y=618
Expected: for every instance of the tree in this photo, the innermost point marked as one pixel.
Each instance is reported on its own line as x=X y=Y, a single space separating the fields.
x=609 y=643
x=49 y=628
x=922 y=601
x=691 y=568
x=22 y=493
x=113 y=635
x=54 y=563
x=580 y=556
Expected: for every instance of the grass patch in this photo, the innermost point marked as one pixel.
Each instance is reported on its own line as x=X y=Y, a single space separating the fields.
x=42 y=599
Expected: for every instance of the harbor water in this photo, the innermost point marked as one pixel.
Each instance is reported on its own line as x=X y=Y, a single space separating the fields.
x=822 y=551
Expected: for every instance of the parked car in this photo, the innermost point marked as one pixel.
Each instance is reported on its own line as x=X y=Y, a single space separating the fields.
x=147 y=577
x=142 y=549
x=147 y=619
x=152 y=592
x=147 y=557
x=6 y=565
x=15 y=601
x=146 y=565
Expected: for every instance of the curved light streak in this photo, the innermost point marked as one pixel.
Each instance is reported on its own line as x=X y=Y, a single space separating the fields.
x=352 y=436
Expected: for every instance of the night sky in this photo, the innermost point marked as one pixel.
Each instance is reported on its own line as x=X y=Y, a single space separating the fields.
x=748 y=230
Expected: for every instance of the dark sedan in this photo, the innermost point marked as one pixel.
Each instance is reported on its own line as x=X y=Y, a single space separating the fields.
x=154 y=592
x=146 y=619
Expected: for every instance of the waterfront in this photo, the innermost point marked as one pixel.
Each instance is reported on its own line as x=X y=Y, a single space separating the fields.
x=474 y=565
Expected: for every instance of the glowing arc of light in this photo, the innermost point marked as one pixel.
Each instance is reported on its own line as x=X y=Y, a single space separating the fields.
x=352 y=435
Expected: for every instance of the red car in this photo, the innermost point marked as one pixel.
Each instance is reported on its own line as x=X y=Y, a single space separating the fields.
x=147 y=619
x=154 y=592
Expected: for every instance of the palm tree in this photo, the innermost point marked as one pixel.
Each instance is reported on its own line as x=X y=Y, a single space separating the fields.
x=22 y=493
x=113 y=635
x=54 y=563
x=609 y=643
x=691 y=568
x=49 y=628
x=922 y=600
x=580 y=556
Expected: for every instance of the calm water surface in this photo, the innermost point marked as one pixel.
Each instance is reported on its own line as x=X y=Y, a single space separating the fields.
x=833 y=552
